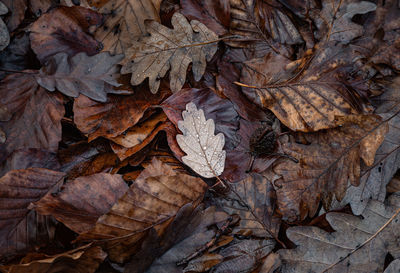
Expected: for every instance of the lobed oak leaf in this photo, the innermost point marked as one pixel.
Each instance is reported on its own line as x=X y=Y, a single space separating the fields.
x=93 y=76
x=204 y=150
x=317 y=249
x=152 y=56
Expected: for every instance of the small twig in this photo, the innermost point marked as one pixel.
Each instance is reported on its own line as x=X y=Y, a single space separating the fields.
x=366 y=242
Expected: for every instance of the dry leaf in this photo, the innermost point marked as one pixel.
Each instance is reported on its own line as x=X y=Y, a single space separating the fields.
x=393 y=267
x=335 y=19
x=85 y=259
x=93 y=76
x=17 y=9
x=151 y=201
x=318 y=249
x=262 y=21
x=64 y=30
x=253 y=200
x=308 y=100
x=4 y=35
x=20 y=228
x=81 y=202
x=124 y=22
x=152 y=56
x=204 y=150
x=33 y=115
x=326 y=165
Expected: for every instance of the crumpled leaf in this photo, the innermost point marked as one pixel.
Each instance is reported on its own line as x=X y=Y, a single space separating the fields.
x=261 y=21
x=335 y=19
x=64 y=30
x=21 y=229
x=204 y=150
x=308 y=99
x=151 y=201
x=85 y=259
x=4 y=35
x=80 y=202
x=33 y=115
x=93 y=76
x=326 y=165
x=111 y=119
x=152 y=56
x=318 y=249
x=253 y=199
x=124 y=22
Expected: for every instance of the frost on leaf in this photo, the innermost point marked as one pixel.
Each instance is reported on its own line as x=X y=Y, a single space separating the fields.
x=204 y=150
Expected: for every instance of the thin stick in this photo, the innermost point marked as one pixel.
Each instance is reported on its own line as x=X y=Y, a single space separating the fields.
x=366 y=242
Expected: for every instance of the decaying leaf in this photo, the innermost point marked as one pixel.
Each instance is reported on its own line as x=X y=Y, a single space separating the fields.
x=21 y=229
x=262 y=21
x=151 y=201
x=17 y=9
x=318 y=249
x=393 y=267
x=334 y=21
x=93 y=76
x=33 y=115
x=81 y=202
x=204 y=150
x=305 y=100
x=152 y=56
x=85 y=259
x=64 y=30
x=326 y=165
x=4 y=35
x=253 y=200
x=124 y=22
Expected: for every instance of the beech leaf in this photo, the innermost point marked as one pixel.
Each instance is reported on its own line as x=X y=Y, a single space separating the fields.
x=205 y=154
x=92 y=76
x=152 y=56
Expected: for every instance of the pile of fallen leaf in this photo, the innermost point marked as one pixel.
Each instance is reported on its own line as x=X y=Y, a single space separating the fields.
x=199 y=136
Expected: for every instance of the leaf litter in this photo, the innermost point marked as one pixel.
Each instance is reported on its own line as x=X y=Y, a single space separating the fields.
x=277 y=153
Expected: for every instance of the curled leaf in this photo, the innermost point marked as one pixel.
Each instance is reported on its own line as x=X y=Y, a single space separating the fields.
x=205 y=154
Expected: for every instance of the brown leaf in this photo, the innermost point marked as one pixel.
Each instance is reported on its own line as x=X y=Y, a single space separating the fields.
x=326 y=165
x=85 y=259
x=21 y=229
x=334 y=21
x=154 y=198
x=149 y=135
x=152 y=56
x=4 y=35
x=308 y=100
x=30 y=158
x=262 y=21
x=34 y=115
x=125 y=22
x=214 y=14
x=253 y=199
x=65 y=29
x=93 y=76
x=138 y=133
x=114 y=117
x=82 y=201
x=318 y=249
x=17 y=10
